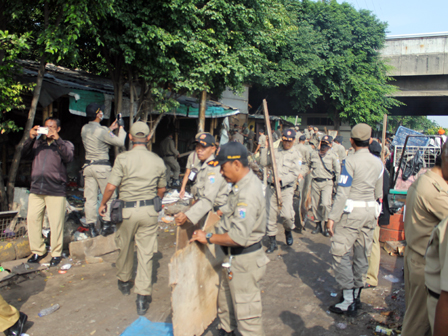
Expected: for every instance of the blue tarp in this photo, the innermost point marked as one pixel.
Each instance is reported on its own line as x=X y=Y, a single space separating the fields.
x=144 y=327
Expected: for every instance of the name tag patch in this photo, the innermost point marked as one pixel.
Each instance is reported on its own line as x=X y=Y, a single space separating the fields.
x=211 y=178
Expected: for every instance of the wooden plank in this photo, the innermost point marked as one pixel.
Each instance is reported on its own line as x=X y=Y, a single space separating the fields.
x=383 y=140
x=271 y=147
x=202 y=109
x=194 y=277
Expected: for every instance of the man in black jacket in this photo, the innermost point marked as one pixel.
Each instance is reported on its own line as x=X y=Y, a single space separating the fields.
x=48 y=179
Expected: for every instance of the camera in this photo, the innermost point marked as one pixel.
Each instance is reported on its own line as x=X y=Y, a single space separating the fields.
x=42 y=130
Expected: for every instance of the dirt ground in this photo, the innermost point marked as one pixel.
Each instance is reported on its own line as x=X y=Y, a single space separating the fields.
x=296 y=294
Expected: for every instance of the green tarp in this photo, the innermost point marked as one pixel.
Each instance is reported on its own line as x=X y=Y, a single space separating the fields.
x=78 y=106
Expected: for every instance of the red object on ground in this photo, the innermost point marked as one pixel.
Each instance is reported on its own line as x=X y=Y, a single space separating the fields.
x=394 y=231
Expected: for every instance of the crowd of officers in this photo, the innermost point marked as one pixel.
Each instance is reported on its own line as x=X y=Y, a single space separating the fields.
x=345 y=193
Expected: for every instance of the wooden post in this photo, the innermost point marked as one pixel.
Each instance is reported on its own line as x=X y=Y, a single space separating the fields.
x=176 y=134
x=202 y=109
x=212 y=125
x=383 y=140
x=271 y=147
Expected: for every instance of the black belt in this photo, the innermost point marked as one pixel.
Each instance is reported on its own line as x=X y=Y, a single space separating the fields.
x=134 y=204
x=241 y=250
x=321 y=179
x=97 y=162
x=433 y=294
x=281 y=188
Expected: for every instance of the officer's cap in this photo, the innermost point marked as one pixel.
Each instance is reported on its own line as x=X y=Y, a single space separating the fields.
x=205 y=139
x=231 y=151
x=361 y=132
x=316 y=129
x=93 y=109
x=302 y=138
x=139 y=130
x=289 y=135
x=339 y=139
x=375 y=148
x=327 y=139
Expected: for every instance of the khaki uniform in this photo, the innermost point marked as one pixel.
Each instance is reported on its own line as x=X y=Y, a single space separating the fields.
x=426 y=206
x=322 y=183
x=138 y=173
x=361 y=181
x=436 y=269
x=237 y=137
x=211 y=191
x=289 y=164
x=250 y=141
x=374 y=259
x=244 y=219
x=193 y=162
x=169 y=156
x=305 y=154
x=97 y=141
x=8 y=315
x=340 y=151
x=350 y=151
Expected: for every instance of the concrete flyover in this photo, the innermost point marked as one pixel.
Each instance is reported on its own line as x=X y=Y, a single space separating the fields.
x=420 y=69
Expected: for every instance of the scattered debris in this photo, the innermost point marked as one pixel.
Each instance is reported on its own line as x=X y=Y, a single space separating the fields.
x=383 y=330
x=93 y=260
x=48 y=311
x=395 y=247
x=391 y=278
x=341 y=325
x=334 y=294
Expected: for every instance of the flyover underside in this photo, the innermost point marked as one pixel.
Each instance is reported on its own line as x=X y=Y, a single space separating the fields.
x=421 y=106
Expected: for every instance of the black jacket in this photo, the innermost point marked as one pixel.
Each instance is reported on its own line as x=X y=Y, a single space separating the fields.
x=385 y=213
x=49 y=174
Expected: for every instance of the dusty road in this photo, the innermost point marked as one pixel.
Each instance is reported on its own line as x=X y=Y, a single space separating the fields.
x=296 y=294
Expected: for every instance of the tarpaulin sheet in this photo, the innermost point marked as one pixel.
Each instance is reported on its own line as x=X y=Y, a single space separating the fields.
x=144 y=327
x=79 y=99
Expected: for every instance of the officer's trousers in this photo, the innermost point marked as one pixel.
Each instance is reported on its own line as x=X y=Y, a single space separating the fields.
x=96 y=176
x=374 y=259
x=354 y=232
x=415 y=321
x=8 y=315
x=431 y=303
x=286 y=213
x=56 y=210
x=139 y=227
x=321 y=193
x=239 y=299
x=304 y=193
x=171 y=164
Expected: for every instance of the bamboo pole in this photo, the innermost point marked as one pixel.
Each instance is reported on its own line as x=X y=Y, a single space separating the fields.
x=202 y=109
x=271 y=147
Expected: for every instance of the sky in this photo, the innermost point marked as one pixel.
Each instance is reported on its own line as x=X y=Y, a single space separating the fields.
x=410 y=17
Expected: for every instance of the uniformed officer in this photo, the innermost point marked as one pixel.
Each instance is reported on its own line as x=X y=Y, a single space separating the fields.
x=140 y=176
x=309 y=132
x=169 y=156
x=239 y=233
x=289 y=164
x=211 y=188
x=436 y=275
x=339 y=148
x=250 y=139
x=325 y=169
x=191 y=171
x=426 y=206
x=12 y=322
x=237 y=137
x=261 y=140
x=97 y=141
x=353 y=218
x=305 y=154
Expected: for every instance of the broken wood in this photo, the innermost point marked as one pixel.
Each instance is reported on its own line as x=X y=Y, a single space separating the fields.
x=395 y=247
x=194 y=277
x=271 y=147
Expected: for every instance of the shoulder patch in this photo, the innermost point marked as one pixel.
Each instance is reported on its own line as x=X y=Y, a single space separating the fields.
x=345 y=179
x=242 y=213
x=211 y=178
x=112 y=134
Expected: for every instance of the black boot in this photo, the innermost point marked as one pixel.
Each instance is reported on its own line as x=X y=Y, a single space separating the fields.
x=346 y=305
x=124 y=287
x=36 y=258
x=92 y=233
x=357 y=297
x=273 y=244
x=289 y=239
x=18 y=327
x=107 y=229
x=318 y=228
x=142 y=302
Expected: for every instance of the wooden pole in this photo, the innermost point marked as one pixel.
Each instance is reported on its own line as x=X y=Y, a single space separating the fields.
x=212 y=126
x=383 y=140
x=271 y=147
x=202 y=108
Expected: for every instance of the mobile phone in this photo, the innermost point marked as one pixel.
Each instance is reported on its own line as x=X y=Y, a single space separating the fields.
x=42 y=130
x=119 y=116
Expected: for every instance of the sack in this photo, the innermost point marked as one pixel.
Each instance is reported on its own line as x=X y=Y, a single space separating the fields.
x=157 y=204
x=81 y=178
x=116 y=211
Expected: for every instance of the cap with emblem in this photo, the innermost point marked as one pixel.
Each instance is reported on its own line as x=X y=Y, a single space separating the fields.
x=302 y=138
x=93 y=109
x=205 y=139
x=327 y=139
x=231 y=151
x=139 y=130
x=361 y=132
x=289 y=135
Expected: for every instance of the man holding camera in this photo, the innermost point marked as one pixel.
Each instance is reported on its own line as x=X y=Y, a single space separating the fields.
x=140 y=175
x=48 y=179
x=97 y=141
